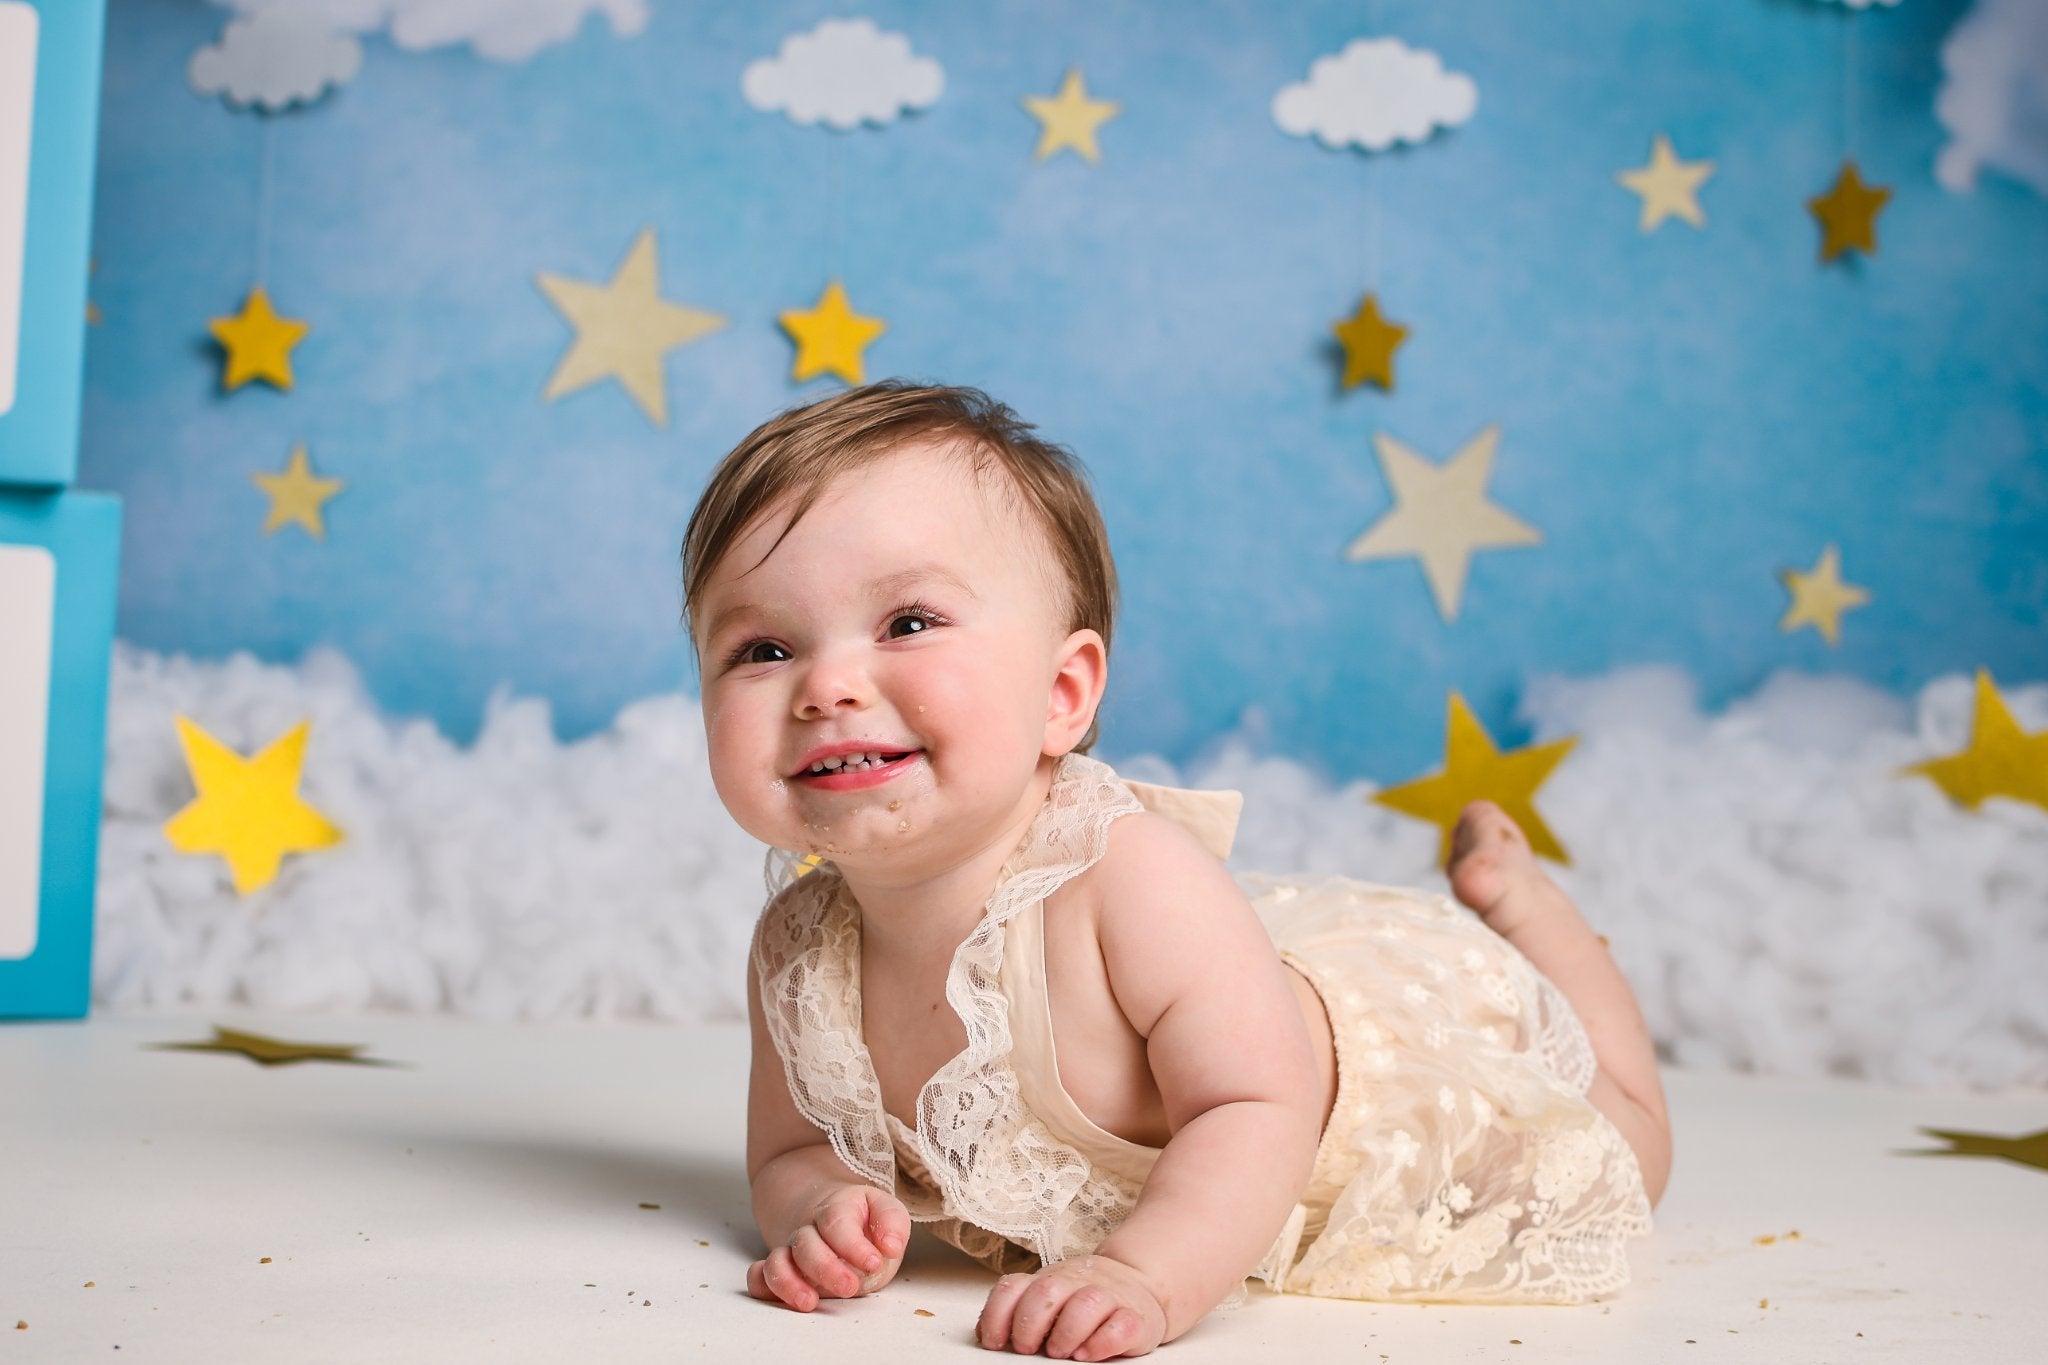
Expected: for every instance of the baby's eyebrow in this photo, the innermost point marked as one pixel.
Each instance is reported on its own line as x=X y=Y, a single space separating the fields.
x=903 y=580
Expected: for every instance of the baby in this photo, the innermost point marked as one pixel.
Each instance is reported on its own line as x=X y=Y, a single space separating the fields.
x=1020 y=1000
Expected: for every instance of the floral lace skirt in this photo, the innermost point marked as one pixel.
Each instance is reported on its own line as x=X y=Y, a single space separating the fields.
x=1462 y=1160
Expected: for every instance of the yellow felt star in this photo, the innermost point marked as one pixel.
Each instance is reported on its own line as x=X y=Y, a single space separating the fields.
x=1668 y=186
x=259 y=342
x=1441 y=515
x=269 y=1051
x=1475 y=770
x=623 y=329
x=830 y=336
x=1819 y=598
x=2028 y=1149
x=1848 y=214
x=2002 y=760
x=1369 y=344
x=297 y=495
x=1070 y=118
x=247 y=810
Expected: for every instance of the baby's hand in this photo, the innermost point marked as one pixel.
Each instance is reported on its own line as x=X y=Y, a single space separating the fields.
x=852 y=1246
x=1089 y=1308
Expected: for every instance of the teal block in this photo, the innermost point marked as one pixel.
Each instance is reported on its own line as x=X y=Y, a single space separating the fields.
x=49 y=114
x=59 y=557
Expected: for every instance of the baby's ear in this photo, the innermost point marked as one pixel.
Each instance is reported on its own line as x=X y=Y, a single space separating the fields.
x=1081 y=673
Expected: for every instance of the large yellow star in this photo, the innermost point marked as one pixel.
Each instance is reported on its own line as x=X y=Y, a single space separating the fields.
x=247 y=810
x=623 y=329
x=1070 y=118
x=1848 y=214
x=830 y=337
x=2028 y=1149
x=1369 y=344
x=1819 y=598
x=260 y=1047
x=1441 y=515
x=2002 y=760
x=1475 y=770
x=259 y=342
x=297 y=495
x=1668 y=186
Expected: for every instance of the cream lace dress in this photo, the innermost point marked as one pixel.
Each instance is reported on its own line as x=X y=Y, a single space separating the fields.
x=1461 y=1160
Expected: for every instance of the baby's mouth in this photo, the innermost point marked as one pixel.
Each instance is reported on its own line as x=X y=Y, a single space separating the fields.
x=855 y=763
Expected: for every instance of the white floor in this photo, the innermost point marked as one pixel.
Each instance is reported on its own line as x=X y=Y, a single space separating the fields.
x=485 y=1203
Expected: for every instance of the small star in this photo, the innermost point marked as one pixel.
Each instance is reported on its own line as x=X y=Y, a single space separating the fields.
x=1070 y=118
x=1475 y=770
x=1820 y=597
x=1441 y=515
x=273 y=1051
x=2028 y=1149
x=623 y=329
x=247 y=810
x=1369 y=342
x=1848 y=214
x=259 y=343
x=830 y=336
x=1669 y=187
x=2002 y=760
x=296 y=495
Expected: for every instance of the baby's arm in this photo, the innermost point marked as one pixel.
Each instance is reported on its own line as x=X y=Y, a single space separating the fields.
x=1194 y=972
x=830 y=1233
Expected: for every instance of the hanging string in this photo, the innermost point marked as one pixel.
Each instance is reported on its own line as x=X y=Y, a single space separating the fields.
x=835 y=206
x=263 y=185
x=1372 y=184
x=1849 y=87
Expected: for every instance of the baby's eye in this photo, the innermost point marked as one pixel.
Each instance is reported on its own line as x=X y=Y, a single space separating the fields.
x=758 y=652
x=913 y=619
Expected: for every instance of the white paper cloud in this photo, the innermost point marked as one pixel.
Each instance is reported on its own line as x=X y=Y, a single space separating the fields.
x=1376 y=92
x=844 y=72
x=1994 y=95
x=276 y=58
x=503 y=30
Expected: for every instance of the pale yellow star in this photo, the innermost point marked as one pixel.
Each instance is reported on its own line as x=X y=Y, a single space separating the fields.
x=2002 y=760
x=297 y=495
x=258 y=342
x=1070 y=118
x=1476 y=770
x=623 y=329
x=1668 y=186
x=1848 y=214
x=1820 y=597
x=1369 y=342
x=247 y=810
x=1441 y=515
x=830 y=336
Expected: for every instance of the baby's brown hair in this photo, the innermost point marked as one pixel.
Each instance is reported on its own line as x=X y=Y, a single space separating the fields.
x=800 y=452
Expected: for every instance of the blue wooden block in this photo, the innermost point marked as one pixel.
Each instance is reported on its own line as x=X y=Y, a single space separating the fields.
x=58 y=558
x=49 y=114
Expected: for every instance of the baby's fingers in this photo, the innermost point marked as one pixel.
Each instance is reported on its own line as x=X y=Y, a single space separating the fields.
x=821 y=1266
x=1079 y=1319
x=777 y=1280
x=993 y=1329
x=1119 y=1334
x=844 y=1228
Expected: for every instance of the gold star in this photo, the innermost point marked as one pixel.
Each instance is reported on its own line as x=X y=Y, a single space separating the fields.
x=1848 y=214
x=259 y=343
x=1819 y=598
x=1668 y=186
x=2001 y=759
x=1475 y=770
x=296 y=495
x=1369 y=344
x=247 y=810
x=274 y=1051
x=830 y=336
x=1070 y=118
x=623 y=329
x=1441 y=515
x=2028 y=1149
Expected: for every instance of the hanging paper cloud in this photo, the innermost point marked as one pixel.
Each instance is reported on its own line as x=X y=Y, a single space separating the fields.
x=1994 y=98
x=843 y=73
x=276 y=58
x=1376 y=92
x=503 y=30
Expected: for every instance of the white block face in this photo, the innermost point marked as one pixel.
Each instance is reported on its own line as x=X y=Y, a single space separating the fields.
x=18 y=30
x=28 y=597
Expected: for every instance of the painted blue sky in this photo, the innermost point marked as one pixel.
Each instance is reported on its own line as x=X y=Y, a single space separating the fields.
x=1682 y=414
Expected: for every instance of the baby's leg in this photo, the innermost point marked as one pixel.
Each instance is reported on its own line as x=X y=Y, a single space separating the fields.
x=1493 y=871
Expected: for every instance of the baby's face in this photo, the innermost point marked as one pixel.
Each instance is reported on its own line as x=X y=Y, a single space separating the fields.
x=877 y=689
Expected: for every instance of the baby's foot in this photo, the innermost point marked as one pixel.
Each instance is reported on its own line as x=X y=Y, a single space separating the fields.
x=1493 y=870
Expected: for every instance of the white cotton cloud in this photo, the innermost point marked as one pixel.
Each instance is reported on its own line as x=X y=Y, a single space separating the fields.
x=843 y=73
x=503 y=30
x=1376 y=92
x=1994 y=95
x=276 y=58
